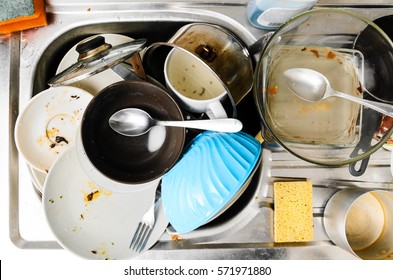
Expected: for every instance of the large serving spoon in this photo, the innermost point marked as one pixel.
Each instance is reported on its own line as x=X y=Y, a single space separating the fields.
x=312 y=86
x=135 y=122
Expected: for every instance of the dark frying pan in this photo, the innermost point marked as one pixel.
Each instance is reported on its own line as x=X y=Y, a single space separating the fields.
x=378 y=53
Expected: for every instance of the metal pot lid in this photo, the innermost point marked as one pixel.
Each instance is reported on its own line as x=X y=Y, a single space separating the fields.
x=95 y=56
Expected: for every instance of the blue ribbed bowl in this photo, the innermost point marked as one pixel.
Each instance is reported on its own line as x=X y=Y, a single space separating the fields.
x=208 y=177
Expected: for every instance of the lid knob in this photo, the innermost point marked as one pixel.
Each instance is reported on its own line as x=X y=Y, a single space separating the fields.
x=92 y=47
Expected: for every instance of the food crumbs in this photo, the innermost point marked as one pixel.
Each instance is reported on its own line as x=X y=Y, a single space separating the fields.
x=315 y=52
x=203 y=91
x=51 y=133
x=272 y=90
x=176 y=237
x=331 y=55
x=60 y=139
x=51 y=201
x=82 y=217
x=75 y=96
x=94 y=252
x=92 y=195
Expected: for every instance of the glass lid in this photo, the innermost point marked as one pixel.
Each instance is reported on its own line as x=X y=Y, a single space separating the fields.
x=95 y=56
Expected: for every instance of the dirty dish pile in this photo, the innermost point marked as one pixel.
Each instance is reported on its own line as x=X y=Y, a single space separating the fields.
x=100 y=183
x=80 y=200
x=97 y=191
x=334 y=131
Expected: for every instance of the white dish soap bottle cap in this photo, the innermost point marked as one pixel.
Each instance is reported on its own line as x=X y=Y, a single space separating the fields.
x=271 y=14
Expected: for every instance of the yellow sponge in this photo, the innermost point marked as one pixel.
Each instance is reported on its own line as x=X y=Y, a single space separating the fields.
x=16 y=21
x=293 y=217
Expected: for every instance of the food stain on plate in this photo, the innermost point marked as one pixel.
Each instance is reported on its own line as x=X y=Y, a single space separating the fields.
x=94 y=193
x=60 y=128
x=60 y=131
x=52 y=200
x=103 y=250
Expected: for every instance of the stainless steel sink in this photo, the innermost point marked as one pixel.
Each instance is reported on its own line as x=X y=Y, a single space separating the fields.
x=245 y=230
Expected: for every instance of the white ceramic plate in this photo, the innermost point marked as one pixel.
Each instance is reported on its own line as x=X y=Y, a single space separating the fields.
x=96 y=83
x=38 y=178
x=90 y=221
x=49 y=123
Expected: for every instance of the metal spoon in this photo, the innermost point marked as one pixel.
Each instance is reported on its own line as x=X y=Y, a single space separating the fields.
x=312 y=86
x=135 y=122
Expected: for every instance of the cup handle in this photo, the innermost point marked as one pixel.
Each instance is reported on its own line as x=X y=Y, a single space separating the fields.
x=215 y=110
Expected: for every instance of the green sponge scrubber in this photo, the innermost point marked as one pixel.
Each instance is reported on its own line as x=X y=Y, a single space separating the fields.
x=17 y=15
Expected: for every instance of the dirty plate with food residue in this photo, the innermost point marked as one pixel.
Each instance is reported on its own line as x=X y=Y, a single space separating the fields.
x=48 y=124
x=90 y=221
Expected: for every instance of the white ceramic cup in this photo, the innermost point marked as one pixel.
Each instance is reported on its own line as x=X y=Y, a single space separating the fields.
x=197 y=88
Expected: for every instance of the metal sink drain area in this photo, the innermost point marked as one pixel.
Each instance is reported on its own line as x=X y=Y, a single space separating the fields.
x=245 y=231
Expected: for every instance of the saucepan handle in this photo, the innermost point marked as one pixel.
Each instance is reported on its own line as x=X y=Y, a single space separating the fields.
x=371 y=121
x=258 y=45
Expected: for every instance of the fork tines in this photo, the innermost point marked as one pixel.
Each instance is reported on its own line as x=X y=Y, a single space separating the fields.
x=141 y=237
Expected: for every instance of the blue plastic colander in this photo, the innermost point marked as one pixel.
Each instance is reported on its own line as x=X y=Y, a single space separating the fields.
x=208 y=177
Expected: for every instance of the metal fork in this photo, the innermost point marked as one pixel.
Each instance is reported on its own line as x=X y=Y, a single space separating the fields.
x=144 y=229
